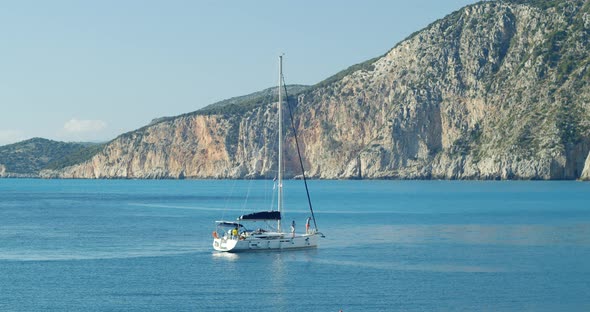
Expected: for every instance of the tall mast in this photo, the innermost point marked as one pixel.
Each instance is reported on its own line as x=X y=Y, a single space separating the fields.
x=280 y=167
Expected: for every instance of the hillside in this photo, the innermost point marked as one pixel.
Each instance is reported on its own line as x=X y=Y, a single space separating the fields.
x=496 y=90
x=27 y=158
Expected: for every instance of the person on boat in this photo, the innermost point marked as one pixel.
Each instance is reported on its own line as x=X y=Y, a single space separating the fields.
x=293 y=228
x=234 y=233
x=307 y=225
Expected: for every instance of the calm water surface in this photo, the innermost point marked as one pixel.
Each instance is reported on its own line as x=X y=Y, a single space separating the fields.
x=82 y=245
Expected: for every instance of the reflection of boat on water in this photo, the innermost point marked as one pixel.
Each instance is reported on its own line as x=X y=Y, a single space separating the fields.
x=234 y=236
x=228 y=256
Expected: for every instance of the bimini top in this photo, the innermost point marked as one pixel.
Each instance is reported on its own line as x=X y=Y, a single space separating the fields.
x=262 y=215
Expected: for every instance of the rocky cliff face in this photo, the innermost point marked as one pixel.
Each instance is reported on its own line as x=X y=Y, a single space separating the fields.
x=196 y=146
x=497 y=90
x=586 y=172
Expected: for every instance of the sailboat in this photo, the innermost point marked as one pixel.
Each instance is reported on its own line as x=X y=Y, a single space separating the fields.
x=235 y=235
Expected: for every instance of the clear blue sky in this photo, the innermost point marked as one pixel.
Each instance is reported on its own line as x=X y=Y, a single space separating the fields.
x=90 y=70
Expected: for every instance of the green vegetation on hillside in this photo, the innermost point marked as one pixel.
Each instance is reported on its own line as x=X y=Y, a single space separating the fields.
x=33 y=155
x=365 y=66
x=75 y=157
x=242 y=104
x=260 y=95
x=541 y=4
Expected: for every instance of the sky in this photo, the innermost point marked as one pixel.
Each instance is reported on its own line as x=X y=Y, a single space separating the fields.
x=91 y=70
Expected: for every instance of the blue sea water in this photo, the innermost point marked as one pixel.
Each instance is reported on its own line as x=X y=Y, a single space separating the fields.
x=133 y=245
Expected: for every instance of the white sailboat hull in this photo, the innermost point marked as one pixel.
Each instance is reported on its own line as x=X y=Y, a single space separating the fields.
x=281 y=242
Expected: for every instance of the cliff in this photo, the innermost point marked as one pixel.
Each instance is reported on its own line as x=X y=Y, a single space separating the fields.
x=497 y=90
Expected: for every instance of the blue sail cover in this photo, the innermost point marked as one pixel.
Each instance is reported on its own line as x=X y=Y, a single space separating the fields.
x=262 y=215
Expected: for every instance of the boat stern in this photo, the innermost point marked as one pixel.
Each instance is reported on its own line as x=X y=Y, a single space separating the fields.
x=224 y=244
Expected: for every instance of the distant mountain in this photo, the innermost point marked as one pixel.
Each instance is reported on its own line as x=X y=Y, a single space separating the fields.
x=27 y=158
x=496 y=90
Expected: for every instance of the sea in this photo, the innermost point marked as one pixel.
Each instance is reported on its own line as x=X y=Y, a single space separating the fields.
x=146 y=245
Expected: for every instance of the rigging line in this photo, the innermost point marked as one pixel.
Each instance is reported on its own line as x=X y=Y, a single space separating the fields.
x=269 y=99
x=247 y=195
x=299 y=153
x=227 y=199
x=272 y=202
x=266 y=98
x=265 y=132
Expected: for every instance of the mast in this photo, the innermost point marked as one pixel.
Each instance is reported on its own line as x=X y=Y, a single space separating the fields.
x=280 y=167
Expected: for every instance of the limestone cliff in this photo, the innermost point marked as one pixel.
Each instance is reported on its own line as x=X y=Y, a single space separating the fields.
x=586 y=172
x=194 y=146
x=497 y=90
